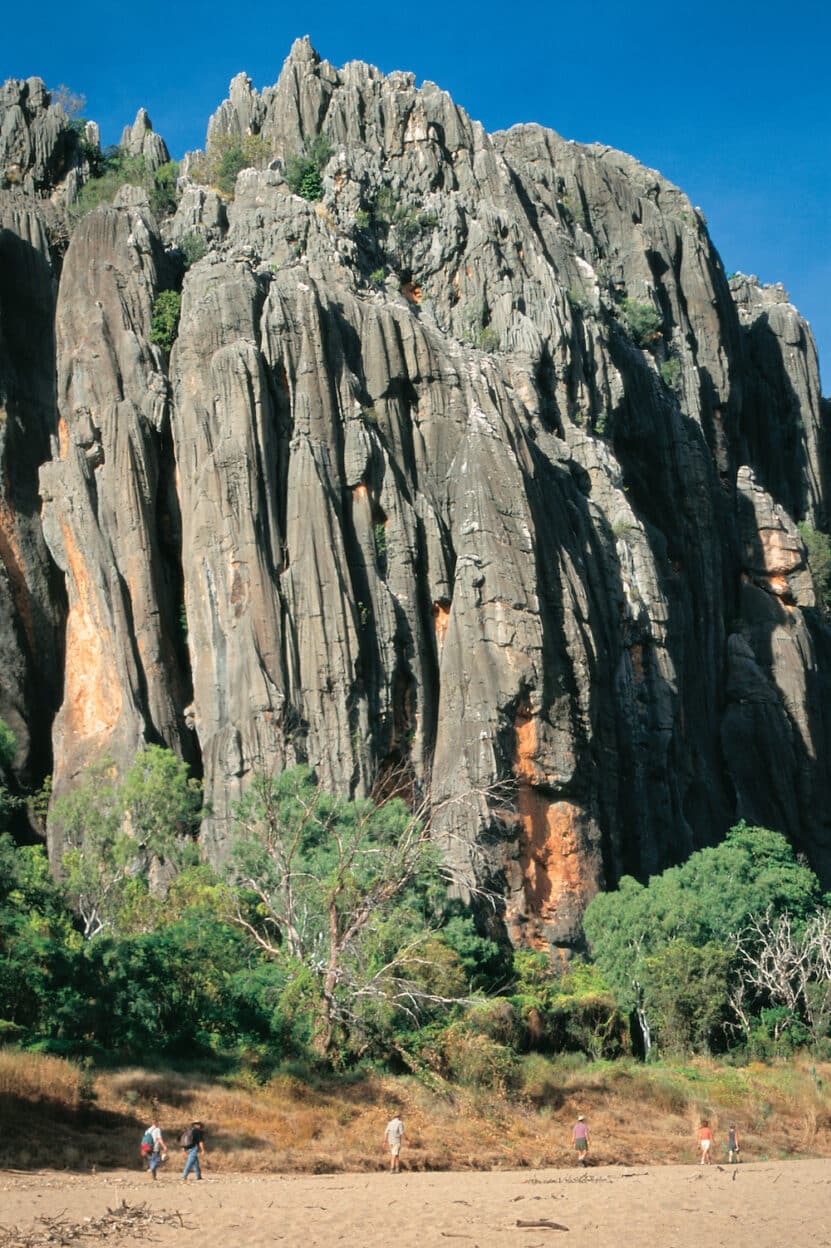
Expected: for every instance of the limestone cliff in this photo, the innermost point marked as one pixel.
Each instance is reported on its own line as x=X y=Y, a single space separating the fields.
x=475 y=470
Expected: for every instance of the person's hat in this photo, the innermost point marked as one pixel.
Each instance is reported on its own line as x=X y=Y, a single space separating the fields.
x=580 y=1118
x=196 y=1123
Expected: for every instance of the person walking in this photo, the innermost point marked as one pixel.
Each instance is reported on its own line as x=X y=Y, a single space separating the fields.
x=580 y=1138
x=158 y=1152
x=393 y=1135
x=193 y=1143
x=705 y=1143
x=733 y=1146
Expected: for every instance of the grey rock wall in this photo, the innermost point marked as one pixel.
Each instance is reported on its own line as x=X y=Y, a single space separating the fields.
x=478 y=472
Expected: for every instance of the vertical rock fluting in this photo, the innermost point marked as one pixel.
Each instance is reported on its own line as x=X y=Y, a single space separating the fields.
x=106 y=501
x=486 y=475
x=521 y=565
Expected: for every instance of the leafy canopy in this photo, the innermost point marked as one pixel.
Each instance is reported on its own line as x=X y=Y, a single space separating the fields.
x=117 y=832
x=342 y=892
x=708 y=898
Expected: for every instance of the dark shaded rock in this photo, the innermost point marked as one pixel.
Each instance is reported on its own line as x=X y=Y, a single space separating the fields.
x=31 y=590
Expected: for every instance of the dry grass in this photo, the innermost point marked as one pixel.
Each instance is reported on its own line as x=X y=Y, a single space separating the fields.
x=635 y=1113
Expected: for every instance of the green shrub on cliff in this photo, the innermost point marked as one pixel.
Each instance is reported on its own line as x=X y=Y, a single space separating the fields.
x=226 y=157
x=642 y=321
x=670 y=372
x=818 y=550
x=193 y=247
x=304 y=170
x=165 y=322
x=114 y=168
x=163 y=189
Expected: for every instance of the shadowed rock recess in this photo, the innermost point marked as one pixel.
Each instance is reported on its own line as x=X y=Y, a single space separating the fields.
x=477 y=469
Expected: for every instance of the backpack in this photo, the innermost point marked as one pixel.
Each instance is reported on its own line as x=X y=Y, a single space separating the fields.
x=147 y=1143
x=186 y=1138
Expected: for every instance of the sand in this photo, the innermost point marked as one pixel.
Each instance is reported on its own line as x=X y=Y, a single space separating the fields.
x=756 y=1205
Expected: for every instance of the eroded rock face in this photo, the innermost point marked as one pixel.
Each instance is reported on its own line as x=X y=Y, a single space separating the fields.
x=109 y=508
x=37 y=148
x=464 y=475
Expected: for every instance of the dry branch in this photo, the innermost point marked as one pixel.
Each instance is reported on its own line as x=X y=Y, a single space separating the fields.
x=123 y=1220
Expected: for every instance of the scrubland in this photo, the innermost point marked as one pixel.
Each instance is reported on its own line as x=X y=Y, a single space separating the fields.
x=60 y=1115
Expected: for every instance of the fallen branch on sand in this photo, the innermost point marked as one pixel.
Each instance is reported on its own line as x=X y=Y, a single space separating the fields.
x=123 y=1220
x=541 y=1224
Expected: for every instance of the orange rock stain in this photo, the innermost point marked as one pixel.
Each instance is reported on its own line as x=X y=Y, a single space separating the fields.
x=12 y=561
x=555 y=872
x=441 y=618
x=92 y=695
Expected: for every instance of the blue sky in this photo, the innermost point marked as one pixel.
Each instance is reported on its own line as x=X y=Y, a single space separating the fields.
x=729 y=100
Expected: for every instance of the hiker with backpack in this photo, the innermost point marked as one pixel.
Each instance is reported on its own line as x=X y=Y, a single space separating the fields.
x=192 y=1143
x=153 y=1148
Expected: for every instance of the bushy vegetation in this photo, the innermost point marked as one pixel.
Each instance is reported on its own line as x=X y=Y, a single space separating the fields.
x=670 y=372
x=693 y=955
x=114 y=168
x=164 y=324
x=226 y=157
x=329 y=937
x=818 y=550
x=642 y=321
x=304 y=170
x=193 y=248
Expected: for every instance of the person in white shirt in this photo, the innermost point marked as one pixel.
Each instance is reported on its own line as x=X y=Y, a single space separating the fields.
x=159 y=1153
x=393 y=1136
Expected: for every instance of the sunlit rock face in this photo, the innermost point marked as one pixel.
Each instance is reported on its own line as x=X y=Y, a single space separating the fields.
x=475 y=476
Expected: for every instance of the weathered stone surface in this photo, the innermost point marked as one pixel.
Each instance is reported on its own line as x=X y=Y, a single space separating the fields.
x=782 y=421
x=37 y=148
x=109 y=508
x=139 y=140
x=478 y=479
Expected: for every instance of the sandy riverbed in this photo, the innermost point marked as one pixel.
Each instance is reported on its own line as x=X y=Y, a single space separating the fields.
x=760 y=1205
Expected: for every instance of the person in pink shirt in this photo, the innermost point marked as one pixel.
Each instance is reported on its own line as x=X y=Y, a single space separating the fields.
x=580 y=1136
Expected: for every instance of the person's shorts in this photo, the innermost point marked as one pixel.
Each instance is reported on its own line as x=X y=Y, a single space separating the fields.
x=395 y=1148
x=705 y=1145
x=581 y=1145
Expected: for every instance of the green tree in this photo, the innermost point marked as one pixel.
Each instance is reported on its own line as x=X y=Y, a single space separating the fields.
x=343 y=893
x=709 y=898
x=37 y=940
x=118 y=833
x=8 y=749
x=8 y=746
x=687 y=994
x=163 y=806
